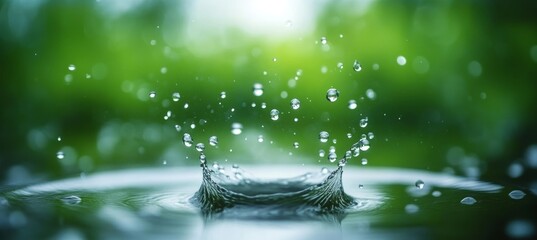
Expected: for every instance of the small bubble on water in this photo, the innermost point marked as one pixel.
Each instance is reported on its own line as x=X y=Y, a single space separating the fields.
x=321 y=153
x=260 y=138
x=258 y=89
x=324 y=41
x=357 y=66
x=332 y=94
x=364 y=161
x=187 y=140
x=324 y=170
x=352 y=104
x=340 y=65
x=239 y=176
x=401 y=60
x=419 y=184
x=223 y=95
x=236 y=128
x=176 y=96
x=370 y=135
x=71 y=67
x=436 y=193
x=412 y=208
x=213 y=141
x=274 y=114
x=296 y=144
x=371 y=94
x=216 y=165
x=202 y=158
x=332 y=156
x=71 y=200
x=152 y=94
x=60 y=155
x=323 y=136
x=517 y=194
x=468 y=201
x=363 y=122
x=295 y=103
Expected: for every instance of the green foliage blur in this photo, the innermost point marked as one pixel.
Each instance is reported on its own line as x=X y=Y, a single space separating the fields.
x=76 y=78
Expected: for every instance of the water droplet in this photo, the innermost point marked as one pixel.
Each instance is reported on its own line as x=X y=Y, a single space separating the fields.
x=71 y=200
x=370 y=135
x=371 y=94
x=323 y=40
x=258 y=89
x=223 y=95
x=185 y=106
x=295 y=119
x=187 y=140
x=419 y=184
x=200 y=147
x=213 y=141
x=363 y=144
x=295 y=103
x=340 y=65
x=263 y=105
x=332 y=156
x=236 y=128
x=203 y=158
x=356 y=152
x=59 y=139
x=152 y=94
x=239 y=176
x=60 y=155
x=436 y=193
x=468 y=201
x=364 y=161
x=192 y=125
x=363 y=122
x=517 y=194
x=360 y=186
x=412 y=208
x=323 y=136
x=357 y=66
x=260 y=138
x=178 y=127
x=163 y=70
x=216 y=165
x=296 y=144
x=274 y=114
x=349 y=135
x=342 y=162
x=274 y=59
x=401 y=60
x=332 y=149
x=176 y=96
x=71 y=67
x=352 y=104
x=321 y=153
x=324 y=170
x=332 y=94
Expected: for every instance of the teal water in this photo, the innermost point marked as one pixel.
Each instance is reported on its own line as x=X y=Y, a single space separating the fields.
x=161 y=203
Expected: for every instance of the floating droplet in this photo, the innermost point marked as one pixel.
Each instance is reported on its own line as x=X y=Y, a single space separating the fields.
x=370 y=94
x=363 y=144
x=323 y=136
x=59 y=139
x=363 y=122
x=223 y=95
x=296 y=144
x=260 y=138
x=236 y=128
x=258 y=89
x=213 y=141
x=340 y=65
x=203 y=158
x=517 y=194
x=321 y=153
x=274 y=114
x=71 y=67
x=468 y=201
x=71 y=200
x=419 y=184
x=342 y=162
x=352 y=104
x=324 y=170
x=401 y=60
x=332 y=94
x=152 y=94
x=187 y=140
x=60 y=155
x=357 y=66
x=349 y=135
x=364 y=161
x=332 y=156
x=323 y=40
x=200 y=147
x=178 y=127
x=295 y=103
x=370 y=135
x=412 y=208
x=436 y=193
x=176 y=96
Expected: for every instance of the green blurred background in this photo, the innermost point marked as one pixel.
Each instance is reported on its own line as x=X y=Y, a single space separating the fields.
x=76 y=78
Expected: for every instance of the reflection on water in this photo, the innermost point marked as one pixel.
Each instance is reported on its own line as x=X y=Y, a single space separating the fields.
x=156 y=203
